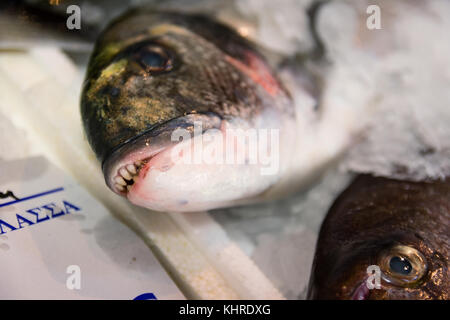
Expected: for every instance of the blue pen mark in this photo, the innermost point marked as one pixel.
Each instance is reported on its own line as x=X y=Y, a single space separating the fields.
x=32 y=197
x=146 y=296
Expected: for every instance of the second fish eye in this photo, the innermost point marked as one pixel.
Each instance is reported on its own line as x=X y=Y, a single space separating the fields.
x=154 y=59
x=402 y=265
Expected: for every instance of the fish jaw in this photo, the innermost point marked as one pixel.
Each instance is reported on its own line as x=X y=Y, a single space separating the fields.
x=205 y=170
x=139 y=150
x=168 y=182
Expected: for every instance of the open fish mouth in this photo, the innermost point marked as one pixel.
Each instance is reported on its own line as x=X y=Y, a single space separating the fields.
x=129 y=171
x=157 y=169
x=129 y=163
x=127 y=175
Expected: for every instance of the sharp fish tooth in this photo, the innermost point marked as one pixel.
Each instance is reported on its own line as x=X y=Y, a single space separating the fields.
x=119 y=180
x=120 y=187
x=129 y=187
x=131 y=168
x=124 y=173
x=138 y=163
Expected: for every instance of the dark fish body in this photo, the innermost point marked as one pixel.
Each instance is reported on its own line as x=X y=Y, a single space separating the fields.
x=154 y=72
x=402 y=227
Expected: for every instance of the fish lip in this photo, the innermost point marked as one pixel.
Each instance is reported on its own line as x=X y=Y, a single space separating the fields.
x=151 y=142
x=361 y=292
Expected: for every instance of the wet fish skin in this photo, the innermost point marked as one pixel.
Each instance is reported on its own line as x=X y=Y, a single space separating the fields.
x=371 y=222
x=209 y=74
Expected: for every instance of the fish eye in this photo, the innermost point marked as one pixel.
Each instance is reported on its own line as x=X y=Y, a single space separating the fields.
x=154 y=59
x=402 y=265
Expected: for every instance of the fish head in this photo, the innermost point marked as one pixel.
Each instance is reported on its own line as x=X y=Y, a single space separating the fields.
x=384 y=240
x=382 y=271
x=158 y=83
